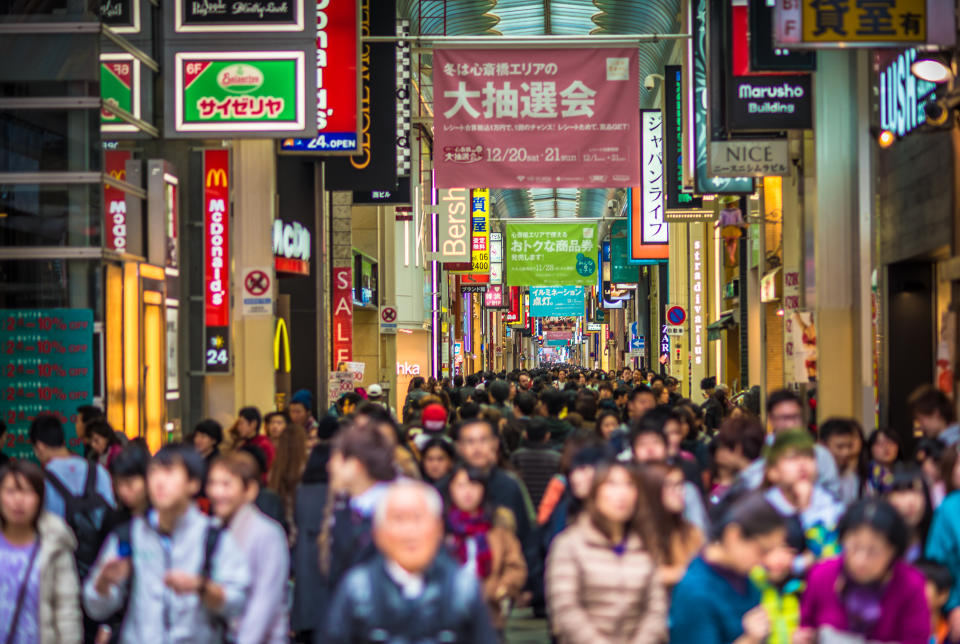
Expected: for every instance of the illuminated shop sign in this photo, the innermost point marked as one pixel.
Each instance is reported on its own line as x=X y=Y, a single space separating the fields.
x=653 y=228
x=216 y=241
x=291 y=247
x=238 y=16
x=454 y=225
x=698 y=301
x=480 y=245
x=120 y=87
x=342 y=315
x=115 y=201
x=903 y=95
x=253 y=92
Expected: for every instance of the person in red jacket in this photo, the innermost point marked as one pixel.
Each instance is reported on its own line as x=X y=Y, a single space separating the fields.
x=248 y=434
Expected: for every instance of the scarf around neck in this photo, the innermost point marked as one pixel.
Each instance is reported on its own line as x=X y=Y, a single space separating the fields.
x=464 y=526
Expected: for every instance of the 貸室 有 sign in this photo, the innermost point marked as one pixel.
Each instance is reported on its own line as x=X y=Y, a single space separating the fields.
x=741 y=158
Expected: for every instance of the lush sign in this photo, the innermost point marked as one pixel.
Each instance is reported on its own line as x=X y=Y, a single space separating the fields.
x=46 y=357
x=551 y=254
x=229 y=92
x=903 y=95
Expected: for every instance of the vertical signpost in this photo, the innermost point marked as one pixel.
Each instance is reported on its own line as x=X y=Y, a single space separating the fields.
x=115 y=201
x=216 y=204
x=342 y=315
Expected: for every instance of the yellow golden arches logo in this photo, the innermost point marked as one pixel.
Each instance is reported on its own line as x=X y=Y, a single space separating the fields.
x=119 y=174
x=281 y=330
x=217 y=177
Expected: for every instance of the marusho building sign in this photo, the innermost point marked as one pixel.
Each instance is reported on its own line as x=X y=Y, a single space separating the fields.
x=780 y=102
x=903 y=95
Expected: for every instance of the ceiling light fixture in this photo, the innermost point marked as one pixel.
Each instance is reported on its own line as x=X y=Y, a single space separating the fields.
x=933 y=67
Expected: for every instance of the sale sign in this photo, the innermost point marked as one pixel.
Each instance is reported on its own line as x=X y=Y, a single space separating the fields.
x=548 y=118
x=115 y=201
x=342 y=315
x=216 y=242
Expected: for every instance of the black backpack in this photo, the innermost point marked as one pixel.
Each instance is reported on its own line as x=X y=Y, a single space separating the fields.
x=84 y=514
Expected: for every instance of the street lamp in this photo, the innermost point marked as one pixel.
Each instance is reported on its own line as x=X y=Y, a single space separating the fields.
x=935 y=67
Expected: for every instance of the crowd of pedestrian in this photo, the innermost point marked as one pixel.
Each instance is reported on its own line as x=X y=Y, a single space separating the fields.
x=604 y=502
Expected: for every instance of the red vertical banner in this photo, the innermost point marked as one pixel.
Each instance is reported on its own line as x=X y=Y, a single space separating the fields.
x=115 y=201
x=342 y=315
x=216 y=242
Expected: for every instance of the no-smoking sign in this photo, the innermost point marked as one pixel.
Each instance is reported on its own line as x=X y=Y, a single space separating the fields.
x=388 y=320
x=257 y=292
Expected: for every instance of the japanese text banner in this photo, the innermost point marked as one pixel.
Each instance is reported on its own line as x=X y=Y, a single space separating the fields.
x=551 y=254
x=556 y=300
x=537 y=118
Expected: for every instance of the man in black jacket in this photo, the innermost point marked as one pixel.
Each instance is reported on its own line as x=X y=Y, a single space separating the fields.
x=409 y=591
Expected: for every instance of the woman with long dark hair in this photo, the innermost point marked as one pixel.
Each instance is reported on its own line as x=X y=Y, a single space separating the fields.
x=883 y=450
x=40 y=592
x=910 y=496
x=602 y=584
x=291 y=458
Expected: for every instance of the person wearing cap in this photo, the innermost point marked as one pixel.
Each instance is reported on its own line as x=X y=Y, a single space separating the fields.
x=375 y=395
x=433 y=421
x=811 y=513
x=300 y=410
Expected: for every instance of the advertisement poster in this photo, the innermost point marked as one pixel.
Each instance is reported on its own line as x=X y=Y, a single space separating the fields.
x=551 y=254
x=216 y=240
x=556 y=300
x=47 y=365
x=546 y=118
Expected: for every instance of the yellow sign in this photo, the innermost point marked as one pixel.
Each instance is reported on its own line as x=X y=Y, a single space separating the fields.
x=852 y=21
x=216 y=177
x=480 y=255
x=281 y=332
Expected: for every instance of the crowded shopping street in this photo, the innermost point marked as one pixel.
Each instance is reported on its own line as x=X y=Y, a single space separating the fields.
x=479 y=322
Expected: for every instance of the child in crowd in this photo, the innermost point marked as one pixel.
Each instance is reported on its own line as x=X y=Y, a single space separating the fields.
x=937 y=588
x=910 y=498
x=884 y=450
x=780 y=593
x=844 y=438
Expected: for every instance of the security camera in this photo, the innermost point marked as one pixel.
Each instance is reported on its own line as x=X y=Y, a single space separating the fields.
x=612 y=204
x=650 y=82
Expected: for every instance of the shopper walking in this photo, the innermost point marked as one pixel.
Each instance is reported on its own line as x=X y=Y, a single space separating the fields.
x=248 y=435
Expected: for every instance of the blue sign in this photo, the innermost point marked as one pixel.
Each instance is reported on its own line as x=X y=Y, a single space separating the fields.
x=556 y=301
x=638 y=344
x=332 y=142
x=676 y=315
x=634 y=329
x=46 y=357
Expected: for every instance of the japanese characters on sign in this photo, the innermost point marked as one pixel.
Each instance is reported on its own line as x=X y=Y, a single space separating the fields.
x=557 y=301
x=812 y=23
x=115 y=201
x=742 y=158
x=494 y=297
x=480 y=220
x=240 y=92
x=47 y=362
x=654 y=230
x=551 y=254
x=454 y=225
x=216 y=207
x=903 y=95
x=536 y=118
x=338 y=80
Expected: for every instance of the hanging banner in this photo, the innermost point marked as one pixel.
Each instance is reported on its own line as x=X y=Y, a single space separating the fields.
x=338 y=80
x=495 y=297
x=115 y=201
x=673 y=142
x=653 y=228
x=454 y=226
x=852 y=24
x=642 y=252
x=513 y=315
x=556 y=300
x=342 y=315
x=545 y=118
x=47 y=364
x=216 y=239
x=551 y=254
x=480 y=219
x=620 y=268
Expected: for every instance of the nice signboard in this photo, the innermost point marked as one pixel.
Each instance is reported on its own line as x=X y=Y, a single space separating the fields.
x=241 y=93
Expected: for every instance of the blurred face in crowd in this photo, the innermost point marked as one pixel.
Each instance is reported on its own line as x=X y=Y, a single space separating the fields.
x=170 y=487
x=477 y=445
x=842 y=447
x=276 y=426
x=674 y=432
x=581 y=480
x=407 y=532
x=19 y=503
x=203 y=443
x=648 y=448
x=616 y=499
x=132 y=492
x=910 y=503
x=608 y=425
x=779 y=563
x=787 y=415
x=246 y=428
x=465 y=494
x=436 y=463
x=99 y=444
x=746 y=553
x=641 y=404
x=227 y=492
x=884 y=450
x=867 y=555
x=791 y=468
x=930 y=424
x=298 y=414
x=626 y=375
x=524 y=381
x=673 y=493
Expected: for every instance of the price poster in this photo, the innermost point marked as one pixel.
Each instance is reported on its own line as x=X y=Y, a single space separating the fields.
x=47 y=366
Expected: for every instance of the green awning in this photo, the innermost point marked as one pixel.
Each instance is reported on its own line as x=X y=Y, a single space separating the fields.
x=726 y=321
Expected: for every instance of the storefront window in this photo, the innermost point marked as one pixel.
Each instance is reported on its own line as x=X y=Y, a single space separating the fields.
x=52 y=283
x=51 y=215
x=50 y=141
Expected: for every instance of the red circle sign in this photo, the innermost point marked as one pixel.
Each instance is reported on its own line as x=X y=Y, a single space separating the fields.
x=256 y=283
x=388 y=314
x=676 y=315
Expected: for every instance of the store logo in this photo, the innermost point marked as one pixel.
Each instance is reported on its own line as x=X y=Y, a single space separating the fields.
x=779 y=91
x=903 y=95
x=240 y=79
x=217 y=177
x=407 y=369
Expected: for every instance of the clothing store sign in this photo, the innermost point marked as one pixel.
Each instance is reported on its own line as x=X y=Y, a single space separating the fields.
x=454 y=225
x=740 y=158
x=778 y=102
x=536 y=118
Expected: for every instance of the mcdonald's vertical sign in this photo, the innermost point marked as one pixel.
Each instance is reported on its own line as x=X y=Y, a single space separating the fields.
x=216 y=205
x=115 y=201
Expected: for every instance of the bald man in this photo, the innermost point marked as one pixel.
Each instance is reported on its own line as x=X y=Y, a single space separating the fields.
x=411 y=591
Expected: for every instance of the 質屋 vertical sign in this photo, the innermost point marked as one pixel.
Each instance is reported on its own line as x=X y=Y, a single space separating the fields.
x=216 y=243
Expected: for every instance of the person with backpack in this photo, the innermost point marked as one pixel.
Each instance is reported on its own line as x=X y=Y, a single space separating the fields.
x=77 y=490
x=233 y=484
x=39 y=590
x=175 y=573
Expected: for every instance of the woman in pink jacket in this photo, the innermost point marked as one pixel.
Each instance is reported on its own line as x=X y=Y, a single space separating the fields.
x=868 y=591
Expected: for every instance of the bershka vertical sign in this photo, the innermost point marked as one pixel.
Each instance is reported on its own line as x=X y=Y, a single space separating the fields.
x=216 y=242
x=454 y=225
x=342 y=315
x=115 y=201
